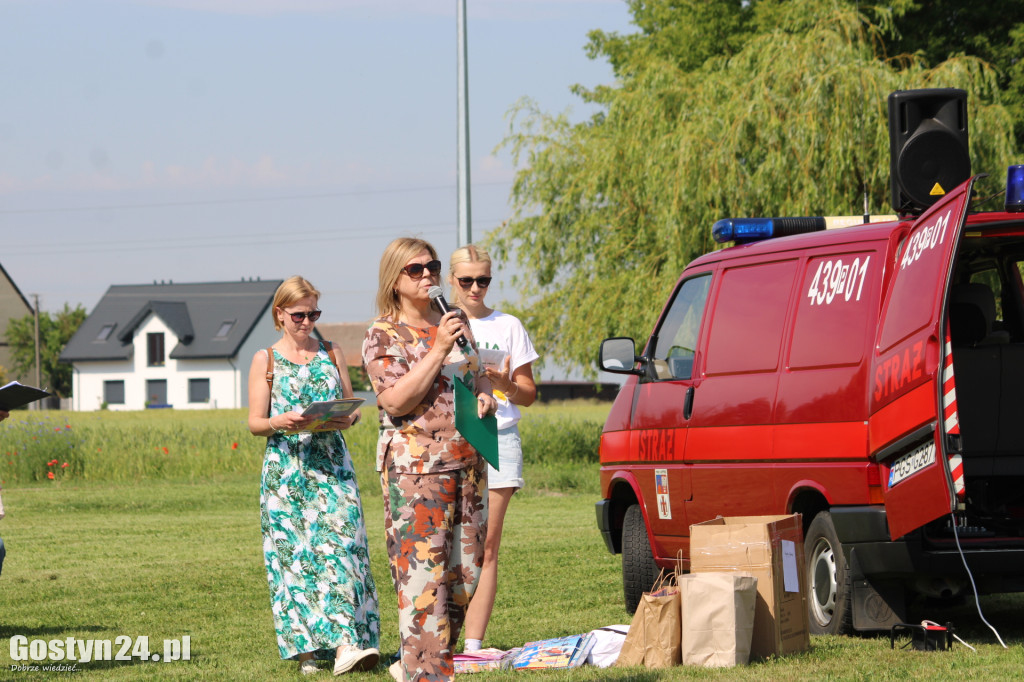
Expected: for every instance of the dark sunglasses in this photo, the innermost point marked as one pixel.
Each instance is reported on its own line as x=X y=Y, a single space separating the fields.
x=415 y=270
x=297 y=318
x=467 y=282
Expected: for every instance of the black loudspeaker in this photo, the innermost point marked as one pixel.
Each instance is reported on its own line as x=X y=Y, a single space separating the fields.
x=928 y=153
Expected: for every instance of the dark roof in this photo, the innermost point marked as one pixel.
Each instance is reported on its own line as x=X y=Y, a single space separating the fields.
x=195 y=313
x=349 y=337
x=173 y=313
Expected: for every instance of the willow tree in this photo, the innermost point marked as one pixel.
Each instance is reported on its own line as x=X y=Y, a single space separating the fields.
x=606 y=213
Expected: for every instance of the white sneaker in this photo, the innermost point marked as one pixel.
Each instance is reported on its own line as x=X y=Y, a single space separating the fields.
x=396 y=671
x=308 y=667
x=351 y=658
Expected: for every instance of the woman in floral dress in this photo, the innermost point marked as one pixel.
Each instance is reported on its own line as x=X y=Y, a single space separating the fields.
x=322 y=593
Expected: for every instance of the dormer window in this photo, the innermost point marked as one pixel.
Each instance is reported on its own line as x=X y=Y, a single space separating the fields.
x=155 y=349
x=225 y=329
x=105 y=332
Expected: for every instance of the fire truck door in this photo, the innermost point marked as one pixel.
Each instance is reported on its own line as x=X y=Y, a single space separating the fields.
x=662 y=413
x=906 y=425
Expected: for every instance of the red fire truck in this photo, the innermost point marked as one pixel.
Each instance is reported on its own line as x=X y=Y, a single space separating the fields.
x=870 y=378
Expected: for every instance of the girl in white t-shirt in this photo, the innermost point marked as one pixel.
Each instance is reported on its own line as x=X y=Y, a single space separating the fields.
x=512 y=380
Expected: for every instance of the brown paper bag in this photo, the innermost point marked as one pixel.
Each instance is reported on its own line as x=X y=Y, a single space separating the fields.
x=717 y=618
x=770 y=548
x=654 y=638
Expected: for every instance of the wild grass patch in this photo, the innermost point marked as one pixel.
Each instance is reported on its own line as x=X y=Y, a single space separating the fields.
x=560 y=446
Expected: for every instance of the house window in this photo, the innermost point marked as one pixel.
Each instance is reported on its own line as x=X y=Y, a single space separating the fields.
x=155 y=349
x=113 y=392
x=199 y=390
x=225 y=329
x=105 y=332
x=156 y=391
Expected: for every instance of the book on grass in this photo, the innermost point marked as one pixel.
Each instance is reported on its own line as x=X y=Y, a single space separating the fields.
x=560 y=652
x=16 y=394
x=326 y=410
x=484 y=659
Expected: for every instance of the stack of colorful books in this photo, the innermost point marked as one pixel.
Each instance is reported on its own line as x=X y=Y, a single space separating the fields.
x=560 y=652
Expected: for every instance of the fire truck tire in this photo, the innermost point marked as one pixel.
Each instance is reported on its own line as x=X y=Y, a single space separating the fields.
x=828 y=579
x=638 y=568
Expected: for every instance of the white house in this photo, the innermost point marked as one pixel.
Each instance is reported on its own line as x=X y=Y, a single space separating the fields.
x=186 y=346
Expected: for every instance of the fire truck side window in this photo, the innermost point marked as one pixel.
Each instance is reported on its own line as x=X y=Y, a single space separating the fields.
x=677 y=337
x=990 y=278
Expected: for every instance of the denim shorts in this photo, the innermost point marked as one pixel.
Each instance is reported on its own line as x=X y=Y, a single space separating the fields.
x=510 y=461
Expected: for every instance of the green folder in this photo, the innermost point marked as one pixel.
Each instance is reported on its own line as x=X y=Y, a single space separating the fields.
x=482 y=434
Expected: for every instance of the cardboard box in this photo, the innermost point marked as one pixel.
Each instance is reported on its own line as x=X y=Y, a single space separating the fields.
x=772 y=549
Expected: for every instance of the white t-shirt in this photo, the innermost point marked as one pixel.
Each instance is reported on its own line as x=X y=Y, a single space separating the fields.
x=499 y=331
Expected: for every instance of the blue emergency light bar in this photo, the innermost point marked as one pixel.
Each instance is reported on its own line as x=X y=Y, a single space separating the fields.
x=1014 y=189
x=747 y=230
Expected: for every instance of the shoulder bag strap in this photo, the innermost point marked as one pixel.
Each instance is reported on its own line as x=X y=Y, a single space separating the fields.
x=334 y=358
x=334 y=361
x=270 y=368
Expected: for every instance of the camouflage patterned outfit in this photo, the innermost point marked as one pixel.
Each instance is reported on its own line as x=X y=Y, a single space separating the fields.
x=435 y=502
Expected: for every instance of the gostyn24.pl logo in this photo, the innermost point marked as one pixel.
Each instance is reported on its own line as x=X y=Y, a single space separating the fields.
x=74 y=650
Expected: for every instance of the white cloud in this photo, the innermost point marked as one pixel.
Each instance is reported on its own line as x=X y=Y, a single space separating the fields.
x=493 y=169
x=215 y=172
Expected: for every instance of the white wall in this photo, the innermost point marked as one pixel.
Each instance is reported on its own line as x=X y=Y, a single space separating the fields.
x=262 y=336
x=87 y=383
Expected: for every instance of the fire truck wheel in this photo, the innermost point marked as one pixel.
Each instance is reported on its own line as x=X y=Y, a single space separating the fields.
x=829 y=587
x=638 y=568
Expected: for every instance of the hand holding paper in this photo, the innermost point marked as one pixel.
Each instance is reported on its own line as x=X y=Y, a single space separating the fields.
x=329 y=415
x=486 y=405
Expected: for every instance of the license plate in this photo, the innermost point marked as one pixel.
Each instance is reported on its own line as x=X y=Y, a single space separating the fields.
x=912 y=462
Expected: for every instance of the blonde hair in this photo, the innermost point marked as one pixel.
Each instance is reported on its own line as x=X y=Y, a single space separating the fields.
x=470 y=253
x=291 y=290
x=396 y=254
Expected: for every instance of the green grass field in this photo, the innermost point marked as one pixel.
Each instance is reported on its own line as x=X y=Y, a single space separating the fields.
x=168 y=556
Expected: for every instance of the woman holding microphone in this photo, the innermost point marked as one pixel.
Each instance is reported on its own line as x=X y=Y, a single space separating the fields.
x=434 y=482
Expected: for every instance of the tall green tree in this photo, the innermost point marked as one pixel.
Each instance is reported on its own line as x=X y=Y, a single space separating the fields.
x=789 y=120
x=994 y=31
x=54 y=333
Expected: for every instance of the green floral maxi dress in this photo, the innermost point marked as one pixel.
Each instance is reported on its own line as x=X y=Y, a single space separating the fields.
x=322 y=593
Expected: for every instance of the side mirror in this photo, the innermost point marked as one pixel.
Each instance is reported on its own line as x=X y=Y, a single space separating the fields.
x=618 y=355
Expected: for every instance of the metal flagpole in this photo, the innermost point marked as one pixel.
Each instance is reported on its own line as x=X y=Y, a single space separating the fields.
x=465 y=235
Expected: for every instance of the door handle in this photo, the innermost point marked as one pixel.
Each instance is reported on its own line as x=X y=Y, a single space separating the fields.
x=688 y=404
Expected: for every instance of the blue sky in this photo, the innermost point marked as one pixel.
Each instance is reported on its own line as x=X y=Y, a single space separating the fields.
x=210 y=140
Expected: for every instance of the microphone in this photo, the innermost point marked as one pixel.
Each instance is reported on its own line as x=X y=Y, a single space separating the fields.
x=437 y=298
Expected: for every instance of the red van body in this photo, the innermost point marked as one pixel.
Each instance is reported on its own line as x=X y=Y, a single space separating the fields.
x=870 y=378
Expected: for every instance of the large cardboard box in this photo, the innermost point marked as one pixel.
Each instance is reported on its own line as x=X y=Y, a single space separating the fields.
x=772 y=549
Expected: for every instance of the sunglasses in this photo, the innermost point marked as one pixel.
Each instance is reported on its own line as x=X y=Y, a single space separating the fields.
x=297 y=318
x=467 y=282
x=415 y=270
